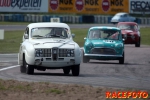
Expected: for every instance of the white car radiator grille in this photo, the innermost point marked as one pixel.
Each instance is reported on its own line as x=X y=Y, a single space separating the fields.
x=54 y=53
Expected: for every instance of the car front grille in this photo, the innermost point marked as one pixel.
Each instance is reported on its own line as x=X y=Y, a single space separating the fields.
x=106 y=51
x=66 y=53
x=128 y=36
x=42 y=52
x=54 y=53
x=46 y=52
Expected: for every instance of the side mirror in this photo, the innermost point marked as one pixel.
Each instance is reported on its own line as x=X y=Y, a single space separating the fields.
x=26 y=36
x=85 y=38
x=73 y=35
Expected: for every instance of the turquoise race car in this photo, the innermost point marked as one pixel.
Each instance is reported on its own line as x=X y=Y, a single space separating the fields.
x=104 y=43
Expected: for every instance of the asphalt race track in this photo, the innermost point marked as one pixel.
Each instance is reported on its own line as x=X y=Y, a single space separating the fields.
x=135 y=73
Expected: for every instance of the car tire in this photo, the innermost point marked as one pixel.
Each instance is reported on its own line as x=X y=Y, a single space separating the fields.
x=75 y=70
x=138 y=43
x=66 y=70
x=85 y=58
x=121 y=59
x=30 y=69
x=23 y=66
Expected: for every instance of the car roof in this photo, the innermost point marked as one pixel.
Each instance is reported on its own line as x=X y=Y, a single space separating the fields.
x=104 y=27
x=131 y=23
x=48 y=24
x=121 y=13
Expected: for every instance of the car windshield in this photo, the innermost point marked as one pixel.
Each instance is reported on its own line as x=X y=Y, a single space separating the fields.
x=104 y=34
x=49 y=32
x=127 y=27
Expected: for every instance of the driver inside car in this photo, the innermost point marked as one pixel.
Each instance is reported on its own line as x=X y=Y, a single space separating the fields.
x=58 y=32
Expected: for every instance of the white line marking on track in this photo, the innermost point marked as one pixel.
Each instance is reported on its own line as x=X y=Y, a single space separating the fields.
x=9 y=54
x=9 y=67
x=8 y=61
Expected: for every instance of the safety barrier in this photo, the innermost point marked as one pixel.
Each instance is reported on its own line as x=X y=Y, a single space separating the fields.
x=99 y=19
x=102 y=19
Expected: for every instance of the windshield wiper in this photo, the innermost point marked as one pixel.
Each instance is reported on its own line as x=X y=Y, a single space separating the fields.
x=62 y=37
x=55 y=35
x=51 y=36
x=37 y=36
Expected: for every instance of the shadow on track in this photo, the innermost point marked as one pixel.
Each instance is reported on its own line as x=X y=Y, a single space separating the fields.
x=115 y=63
x=52 y=74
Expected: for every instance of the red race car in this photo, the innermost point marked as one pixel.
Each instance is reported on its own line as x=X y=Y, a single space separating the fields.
x=130 y=32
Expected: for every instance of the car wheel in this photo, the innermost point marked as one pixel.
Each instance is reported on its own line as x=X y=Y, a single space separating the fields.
x=30 y=69
x=66 y=70
x=85 y=58
x=23 y=66
x=121 y=60
x=138 y=43
x=75 y=70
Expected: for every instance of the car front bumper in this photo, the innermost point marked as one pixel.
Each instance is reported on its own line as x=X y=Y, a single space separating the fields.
x=60 y=62
x=101 y=55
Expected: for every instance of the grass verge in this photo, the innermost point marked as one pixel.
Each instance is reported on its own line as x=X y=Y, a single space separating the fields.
x=19 y=90
x=13 y=39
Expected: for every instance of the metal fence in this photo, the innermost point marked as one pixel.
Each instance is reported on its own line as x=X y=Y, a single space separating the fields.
x=101 y=19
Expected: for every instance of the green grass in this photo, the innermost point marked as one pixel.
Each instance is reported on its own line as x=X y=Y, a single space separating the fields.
x=2 y=87
x=79 y=35
x=15 y=87
x=12 y=40
x=56 y=91
x=145 y=36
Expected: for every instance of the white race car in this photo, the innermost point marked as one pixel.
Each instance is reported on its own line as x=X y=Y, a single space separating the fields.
x=49 y=46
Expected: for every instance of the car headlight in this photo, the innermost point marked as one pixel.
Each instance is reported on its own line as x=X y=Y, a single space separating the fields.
x=66 y=52
x=70 y=53
x=119 y=45
x=38 y=52
x=88 y=44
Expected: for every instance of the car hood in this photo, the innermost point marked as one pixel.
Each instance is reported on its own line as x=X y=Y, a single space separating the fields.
x=104 y=43
x=128 y=31
x=50 y=43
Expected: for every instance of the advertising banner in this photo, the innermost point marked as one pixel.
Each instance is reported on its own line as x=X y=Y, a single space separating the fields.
x=139 y=6
x=88 y=6
x=23 y=5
